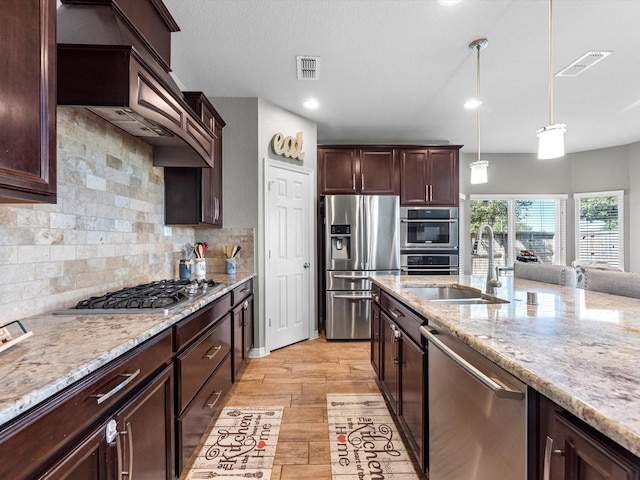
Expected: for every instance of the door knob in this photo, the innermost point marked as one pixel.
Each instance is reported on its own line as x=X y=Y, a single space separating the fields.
x=306 y=265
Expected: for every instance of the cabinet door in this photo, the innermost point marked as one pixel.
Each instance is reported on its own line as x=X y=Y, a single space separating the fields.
x=247 y=327
x=413 y=177
x=588 y=458
x=413 y=395
x=443 y=177
x=337 y=171
x=375 y=337
x=85 y=461
x=378 y=172
x=238 y=336
x=145 y=440
x=28 y=80
x=390 y=360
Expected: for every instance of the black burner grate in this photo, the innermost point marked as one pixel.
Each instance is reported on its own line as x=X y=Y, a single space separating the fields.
x=160 y=294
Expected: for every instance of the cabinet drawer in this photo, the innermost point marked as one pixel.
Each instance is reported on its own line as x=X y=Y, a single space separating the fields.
x=241 y=292
x=405 y=318
x=45 y=431
x=375 y=293
x=189 y=328
x=197 y=363
x=195 y=420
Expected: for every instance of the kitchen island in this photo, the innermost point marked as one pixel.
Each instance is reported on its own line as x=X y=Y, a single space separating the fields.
x=581 y=349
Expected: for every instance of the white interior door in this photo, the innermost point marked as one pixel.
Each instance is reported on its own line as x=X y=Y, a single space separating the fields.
x=288 y=226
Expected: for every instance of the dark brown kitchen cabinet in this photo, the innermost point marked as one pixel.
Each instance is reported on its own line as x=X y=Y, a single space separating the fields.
x=28 y=84
x=145 y=427
x=402 y=371
x=242 y=326
x=568 y=449
x=375 y=329
x=88 y=459
x=203 y=371
x=354 y=170
x=193 y=196
x=66 y=434
x=429 y=176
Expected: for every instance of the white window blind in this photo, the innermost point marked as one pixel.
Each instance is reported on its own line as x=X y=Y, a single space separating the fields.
x=536 y=224
x=600 y=228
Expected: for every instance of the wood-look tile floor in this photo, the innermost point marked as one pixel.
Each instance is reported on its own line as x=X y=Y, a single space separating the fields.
x=298 y=377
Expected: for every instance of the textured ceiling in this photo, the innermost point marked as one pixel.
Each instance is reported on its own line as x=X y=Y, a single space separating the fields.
x=400 y=71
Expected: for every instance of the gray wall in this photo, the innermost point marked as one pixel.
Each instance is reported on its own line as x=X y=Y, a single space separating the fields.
x=246 y=140
x=615 y=168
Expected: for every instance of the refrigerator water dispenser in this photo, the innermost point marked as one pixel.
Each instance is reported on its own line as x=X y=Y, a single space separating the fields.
x=340 y=242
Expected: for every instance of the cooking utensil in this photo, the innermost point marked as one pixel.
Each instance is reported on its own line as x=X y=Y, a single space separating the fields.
x=236 y=251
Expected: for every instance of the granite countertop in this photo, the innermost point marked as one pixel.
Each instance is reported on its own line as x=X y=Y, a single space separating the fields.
x=66 y=348
x=579 y=348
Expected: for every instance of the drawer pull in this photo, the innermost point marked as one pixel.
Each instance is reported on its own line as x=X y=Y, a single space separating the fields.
x=395 y=313
x=212 y=352
x=212 y=404
x=103 y=397
x=244 y=290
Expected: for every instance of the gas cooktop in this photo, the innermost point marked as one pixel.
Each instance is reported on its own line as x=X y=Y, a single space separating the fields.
x=160 y=297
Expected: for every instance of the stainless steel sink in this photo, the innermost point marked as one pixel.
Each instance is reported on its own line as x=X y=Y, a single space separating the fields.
x=453 y=295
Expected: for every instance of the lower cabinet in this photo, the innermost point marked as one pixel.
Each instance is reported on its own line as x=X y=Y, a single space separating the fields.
x=375 y=333
x=571 y=450
x=67 y=435
x=145 y=432
x=242 y=326
x=194 y=421
x=402 y=372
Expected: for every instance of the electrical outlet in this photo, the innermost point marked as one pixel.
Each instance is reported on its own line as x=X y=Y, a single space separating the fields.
x=167 y=231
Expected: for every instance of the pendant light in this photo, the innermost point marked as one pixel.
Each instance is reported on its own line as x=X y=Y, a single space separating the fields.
x=479 y=167
x=551 y=137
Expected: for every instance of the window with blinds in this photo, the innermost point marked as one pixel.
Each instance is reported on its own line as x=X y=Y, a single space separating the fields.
x=600 y=228
x=525 y=229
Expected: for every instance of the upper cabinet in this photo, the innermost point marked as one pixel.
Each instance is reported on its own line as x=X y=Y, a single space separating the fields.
x=193 y=196
x=28 y=92
x=421 y=175
x=429 y=176
x=349 y=170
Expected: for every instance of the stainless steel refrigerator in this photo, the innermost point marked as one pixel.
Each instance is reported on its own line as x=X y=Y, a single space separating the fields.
x=361 y=236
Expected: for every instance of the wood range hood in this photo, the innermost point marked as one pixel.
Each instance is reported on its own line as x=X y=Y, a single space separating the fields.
x=113 y=58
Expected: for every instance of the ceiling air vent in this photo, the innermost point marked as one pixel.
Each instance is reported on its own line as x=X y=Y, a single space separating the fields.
x=308 y=67
x=585 y=62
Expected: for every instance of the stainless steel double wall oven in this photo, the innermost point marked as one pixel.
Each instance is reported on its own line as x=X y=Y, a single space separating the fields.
x=429 y=240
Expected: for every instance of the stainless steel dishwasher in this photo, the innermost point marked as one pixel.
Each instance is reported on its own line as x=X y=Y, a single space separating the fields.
x=477 y=414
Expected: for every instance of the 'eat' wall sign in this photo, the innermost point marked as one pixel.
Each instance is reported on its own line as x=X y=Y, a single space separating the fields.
x=289 y=147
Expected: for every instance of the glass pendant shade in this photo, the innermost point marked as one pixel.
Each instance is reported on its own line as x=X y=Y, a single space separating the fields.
x=551 y=141
x=479 y=171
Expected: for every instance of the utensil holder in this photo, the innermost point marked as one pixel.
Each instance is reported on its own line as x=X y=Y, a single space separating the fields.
x=185 y=269
x=231 y=266
x=200 y=269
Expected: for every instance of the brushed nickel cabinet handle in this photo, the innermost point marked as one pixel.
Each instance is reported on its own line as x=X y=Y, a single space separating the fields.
x=549 y=452
x=395 y=313
x=103 y=397
x=212 y=404
x=426 y=193
x=353 y=182
x=212 y=352
x=362 y=181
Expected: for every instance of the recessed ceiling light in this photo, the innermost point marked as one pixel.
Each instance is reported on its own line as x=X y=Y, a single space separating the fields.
x=448 y=3
x=473 y=103
x=312 y=103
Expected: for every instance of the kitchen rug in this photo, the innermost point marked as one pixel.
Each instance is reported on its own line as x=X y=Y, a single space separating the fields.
x=365 y=443
x=242 y=444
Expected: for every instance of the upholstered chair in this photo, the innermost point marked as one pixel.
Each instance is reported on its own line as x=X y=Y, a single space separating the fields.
x=556 y=274
x=614 y=282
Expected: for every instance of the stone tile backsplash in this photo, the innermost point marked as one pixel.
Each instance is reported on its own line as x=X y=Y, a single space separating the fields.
x=106 y=230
